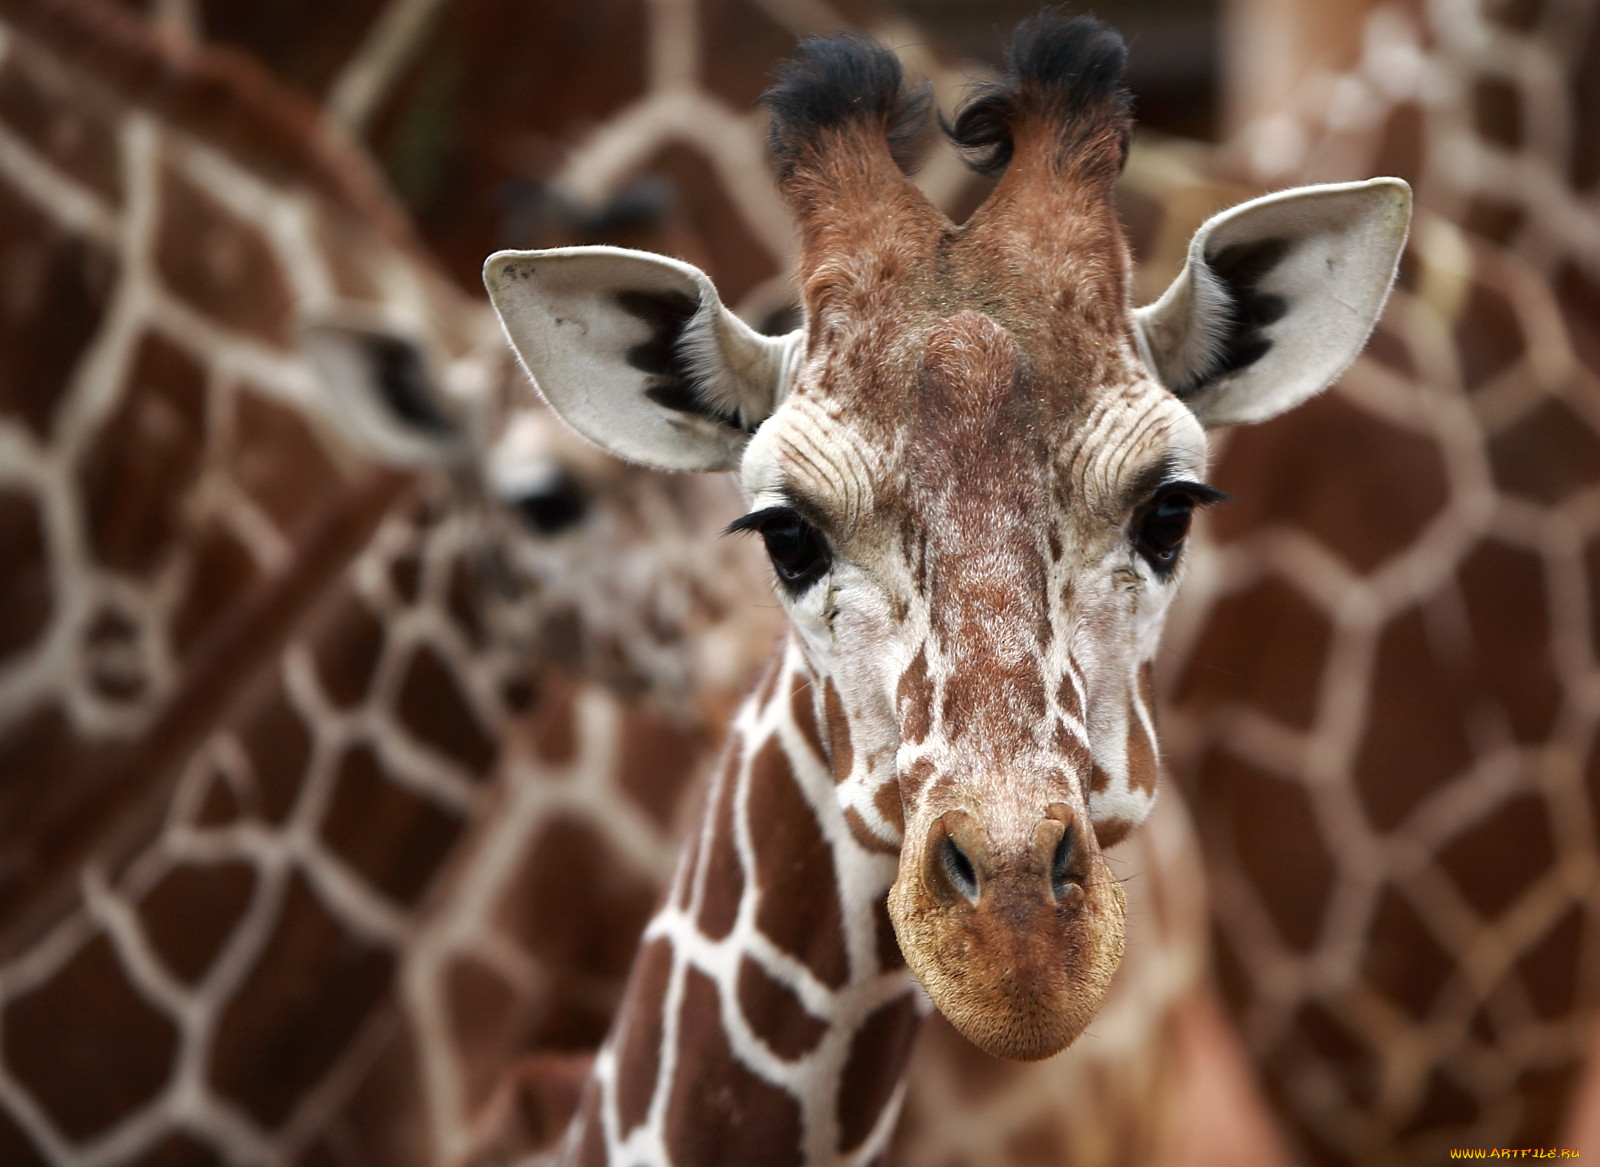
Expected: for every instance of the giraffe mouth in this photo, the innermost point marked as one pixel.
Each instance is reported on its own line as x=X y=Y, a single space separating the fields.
x=1015 y=945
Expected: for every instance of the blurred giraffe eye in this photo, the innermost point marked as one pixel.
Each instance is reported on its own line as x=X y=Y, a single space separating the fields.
x=553 y=506
x=799 y=553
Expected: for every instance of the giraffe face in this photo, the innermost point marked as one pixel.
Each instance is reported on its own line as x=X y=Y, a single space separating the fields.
x=590 y=563
x=972 y=470
x=977 y=548
x=613 y=570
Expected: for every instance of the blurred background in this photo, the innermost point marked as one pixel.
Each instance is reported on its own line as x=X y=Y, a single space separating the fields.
x=474 y=111
x=351 y=712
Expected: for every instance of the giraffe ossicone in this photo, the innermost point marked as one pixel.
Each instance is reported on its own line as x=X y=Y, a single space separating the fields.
x=973 y=469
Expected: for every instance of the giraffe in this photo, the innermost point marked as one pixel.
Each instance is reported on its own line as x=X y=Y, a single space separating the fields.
x=1157 y=985
x=944 y=748
x=540 y=902
x=1408 y=953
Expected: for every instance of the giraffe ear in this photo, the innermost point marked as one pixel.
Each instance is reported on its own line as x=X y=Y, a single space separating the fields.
x=1277 y=297
x=636 y=352
x=385 y=388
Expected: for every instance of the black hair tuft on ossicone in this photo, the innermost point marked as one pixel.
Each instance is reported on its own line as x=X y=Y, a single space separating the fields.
x=833 y=80
x=1065 y=67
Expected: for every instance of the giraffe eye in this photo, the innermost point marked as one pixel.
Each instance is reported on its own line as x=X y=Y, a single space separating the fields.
x=798 y=551
x=1164 y=528
x=1163 y=525
x=552 y=507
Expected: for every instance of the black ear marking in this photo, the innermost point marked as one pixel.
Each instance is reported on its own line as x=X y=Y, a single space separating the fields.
x=669 y=381
x=1241 y=267
x=666 y=313
x=402 y=380
x=783 y=319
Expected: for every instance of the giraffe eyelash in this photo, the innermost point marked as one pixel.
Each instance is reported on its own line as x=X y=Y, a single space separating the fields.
x=1203 y=495
x=755 y=520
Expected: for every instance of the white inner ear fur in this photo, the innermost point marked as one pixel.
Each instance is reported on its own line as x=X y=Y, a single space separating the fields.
x=1344 y=241
x=561 y=311
x=735 y=369
x=1185 y=339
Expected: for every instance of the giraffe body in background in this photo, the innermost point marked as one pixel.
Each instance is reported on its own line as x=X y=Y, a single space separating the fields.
x=1409 y=949
x=961 y=722
x=163 y=495
x=222 y=963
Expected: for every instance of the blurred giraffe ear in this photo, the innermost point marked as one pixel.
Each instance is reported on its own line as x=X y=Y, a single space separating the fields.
x=636 y=352
x=385 y=388
x=1278 y=296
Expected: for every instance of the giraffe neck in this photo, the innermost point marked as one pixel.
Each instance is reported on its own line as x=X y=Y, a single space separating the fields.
x=769 y=1016
x=169 y=510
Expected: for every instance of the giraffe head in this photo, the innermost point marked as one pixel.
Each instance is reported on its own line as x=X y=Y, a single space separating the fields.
x=586 y=561
x=973 y=470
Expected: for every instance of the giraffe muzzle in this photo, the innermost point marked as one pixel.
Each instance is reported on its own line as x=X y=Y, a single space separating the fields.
x=1014 y=934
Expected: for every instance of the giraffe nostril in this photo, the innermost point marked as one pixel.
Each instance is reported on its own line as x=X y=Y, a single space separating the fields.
x=958 y=869
x=1065 y=878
